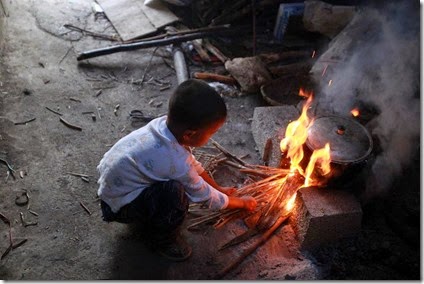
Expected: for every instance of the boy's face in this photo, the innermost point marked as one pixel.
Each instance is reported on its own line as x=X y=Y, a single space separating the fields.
x=199 y=137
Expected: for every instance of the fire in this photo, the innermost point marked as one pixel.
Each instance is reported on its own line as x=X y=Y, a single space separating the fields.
x=355 y=112
x=290 y=204
x=321 y=158
x=292 y=145
x=303 y=93
x=295 y=136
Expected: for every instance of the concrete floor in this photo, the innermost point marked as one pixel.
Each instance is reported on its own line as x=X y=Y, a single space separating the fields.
x=39 y=70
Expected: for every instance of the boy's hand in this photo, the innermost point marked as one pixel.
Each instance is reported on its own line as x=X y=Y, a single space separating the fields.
x=228 y=190
x=249 y=203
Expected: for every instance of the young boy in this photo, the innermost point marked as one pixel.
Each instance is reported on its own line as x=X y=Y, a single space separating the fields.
x=149 y=176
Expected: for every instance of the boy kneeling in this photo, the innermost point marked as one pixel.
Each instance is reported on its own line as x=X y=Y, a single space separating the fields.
x=149 y=176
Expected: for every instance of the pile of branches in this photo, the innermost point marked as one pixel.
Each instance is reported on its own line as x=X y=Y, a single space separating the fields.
x=272 y=188
x=272 y=192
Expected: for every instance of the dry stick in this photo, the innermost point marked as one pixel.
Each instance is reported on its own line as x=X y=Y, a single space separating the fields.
x=4 y=9
x=7 y=222
x=19 y=243
x=228 y=154
x=148 y=65
x=85 y=208
x=9 y=167
x=66 y=54
x=70 y=125
x=93 y=34
x=182 y=32
x=267 y=151
x=263 y=238
x=215 y=77
x=215 y=51
x=234 y=165
x=78 y=174
x=53 y=111
x=203 y=219
x=25 y=122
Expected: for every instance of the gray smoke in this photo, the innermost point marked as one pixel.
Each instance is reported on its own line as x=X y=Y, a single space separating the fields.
x=380 y=67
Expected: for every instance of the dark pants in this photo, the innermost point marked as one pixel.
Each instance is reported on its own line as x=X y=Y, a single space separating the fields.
x=159 y=210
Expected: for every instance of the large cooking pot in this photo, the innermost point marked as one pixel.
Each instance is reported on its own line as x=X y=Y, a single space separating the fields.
x=350 y=144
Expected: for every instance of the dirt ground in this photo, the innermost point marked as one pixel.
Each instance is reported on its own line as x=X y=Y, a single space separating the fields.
x=39 y=70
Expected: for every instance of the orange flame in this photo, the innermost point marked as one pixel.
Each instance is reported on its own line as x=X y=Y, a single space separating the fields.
x=295 y=136
x=292 y=145
x=321 y=157
x=355 y=112
x=290 y=204
x=303 y=93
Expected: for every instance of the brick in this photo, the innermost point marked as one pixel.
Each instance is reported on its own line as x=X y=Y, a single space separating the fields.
x=322 y=215
x=271 y=122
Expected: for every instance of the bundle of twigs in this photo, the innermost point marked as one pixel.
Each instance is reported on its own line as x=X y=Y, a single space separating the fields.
x=274 y=189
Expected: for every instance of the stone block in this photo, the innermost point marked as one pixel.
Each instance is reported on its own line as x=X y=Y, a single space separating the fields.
x=250 y=72
x=322 y=215
x=325 y=18
x=271 y=122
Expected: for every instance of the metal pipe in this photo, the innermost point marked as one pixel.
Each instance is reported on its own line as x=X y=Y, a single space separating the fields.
x=179 y=64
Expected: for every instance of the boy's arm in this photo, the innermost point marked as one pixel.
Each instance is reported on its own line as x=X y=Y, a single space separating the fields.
x=245 y=202
x=227 y=190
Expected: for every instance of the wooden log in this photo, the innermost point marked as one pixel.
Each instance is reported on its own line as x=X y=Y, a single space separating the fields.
x=201 y=51
x=214 y=77
x=215 y=51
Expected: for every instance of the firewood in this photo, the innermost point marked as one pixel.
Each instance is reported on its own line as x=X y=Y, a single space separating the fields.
x=215 y=77
x=267 y=151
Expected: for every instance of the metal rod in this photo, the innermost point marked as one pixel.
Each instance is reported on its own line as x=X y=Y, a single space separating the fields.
x=149 y=43
x=179 y=64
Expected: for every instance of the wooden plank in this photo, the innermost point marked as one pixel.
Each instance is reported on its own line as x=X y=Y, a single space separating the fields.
x=132 y=19
x=158 y=14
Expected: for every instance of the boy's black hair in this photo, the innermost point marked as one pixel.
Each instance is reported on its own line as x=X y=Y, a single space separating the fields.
x=195 y=104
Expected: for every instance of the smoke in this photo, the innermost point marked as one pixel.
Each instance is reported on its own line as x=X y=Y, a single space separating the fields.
x=380 y=68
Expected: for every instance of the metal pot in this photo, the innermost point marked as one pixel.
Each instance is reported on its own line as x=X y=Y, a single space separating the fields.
x=350 y=143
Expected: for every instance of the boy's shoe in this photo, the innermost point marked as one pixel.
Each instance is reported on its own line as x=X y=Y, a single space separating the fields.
x=178 y=250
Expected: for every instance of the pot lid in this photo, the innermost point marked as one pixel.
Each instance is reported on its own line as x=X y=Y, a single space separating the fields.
x=350 y=142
